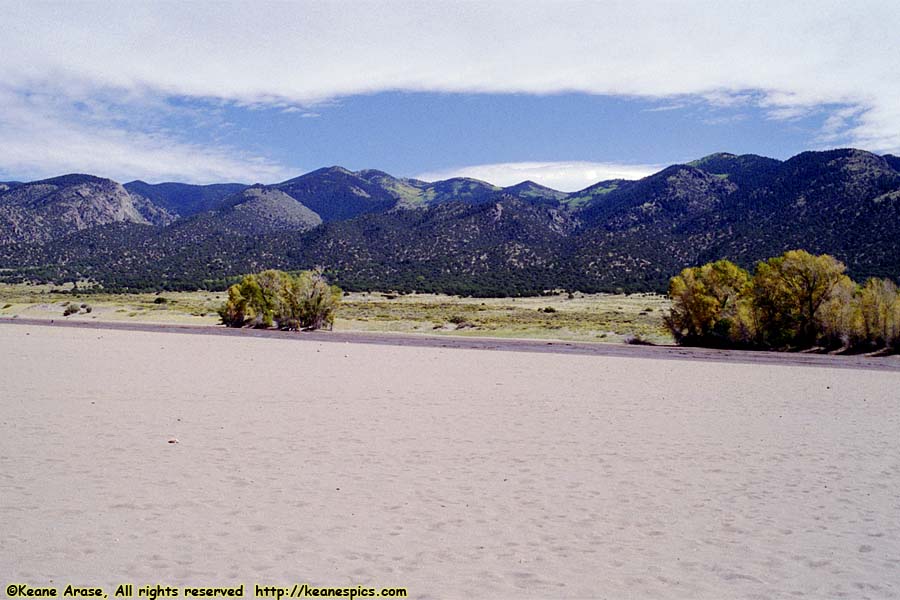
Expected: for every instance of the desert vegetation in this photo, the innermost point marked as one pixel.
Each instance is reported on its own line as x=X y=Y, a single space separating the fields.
x=575 y=316
x=794 y=301
x=280 y=299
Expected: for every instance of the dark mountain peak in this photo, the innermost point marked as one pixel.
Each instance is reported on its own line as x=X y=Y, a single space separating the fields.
x=463 y=189
x=672 y=170
x=184 y=199
x=837 y=179
x=74 y=179
x=334 y=170
x=745 y=170
x=712 y=158
x=336 y=193
x=680 y=179
x=535 y=191
x=676 y=192
x=338 y=169
x=468 y=181
x=836 y=156
x=373 y=174
x=528 y=184
x=725 y=162
x=315 y=174
x=892 y=160
x=675 y=175
x=817 y=164
x=601 y=187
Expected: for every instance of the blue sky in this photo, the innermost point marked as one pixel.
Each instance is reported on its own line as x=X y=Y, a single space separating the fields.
x=565 y=93
x=414 y=133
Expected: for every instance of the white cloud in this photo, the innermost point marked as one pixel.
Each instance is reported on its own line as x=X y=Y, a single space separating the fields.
x=563 y=176
x=44 y=134
x=788 y=57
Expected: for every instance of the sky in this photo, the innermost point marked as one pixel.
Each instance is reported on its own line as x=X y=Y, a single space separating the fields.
x=562 y=93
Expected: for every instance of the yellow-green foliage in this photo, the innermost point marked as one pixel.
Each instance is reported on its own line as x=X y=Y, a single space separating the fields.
x=879 y=302
x=706 y=302
x=796 y=299
x=274 y=297
x=789 y=291
x=308 y=302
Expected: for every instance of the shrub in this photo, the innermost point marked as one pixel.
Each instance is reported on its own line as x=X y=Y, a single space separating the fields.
x=637 y=340
x=309 y=302
x=71 y=309
x=302 y=301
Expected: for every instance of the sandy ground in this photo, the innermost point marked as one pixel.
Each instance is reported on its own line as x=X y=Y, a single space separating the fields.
x=455 y=473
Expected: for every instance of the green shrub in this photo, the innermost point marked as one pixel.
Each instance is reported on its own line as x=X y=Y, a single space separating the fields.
x=292 y=302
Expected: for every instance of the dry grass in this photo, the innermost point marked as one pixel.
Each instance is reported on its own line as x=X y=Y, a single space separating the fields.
x=45 y=302
x=596 y=317
x=586 y=317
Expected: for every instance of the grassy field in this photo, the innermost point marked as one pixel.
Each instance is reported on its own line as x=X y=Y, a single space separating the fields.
x=586 y=317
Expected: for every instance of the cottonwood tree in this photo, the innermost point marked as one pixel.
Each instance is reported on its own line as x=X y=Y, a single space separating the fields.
x=789 y=291
x=706 y=303
x=879 y=301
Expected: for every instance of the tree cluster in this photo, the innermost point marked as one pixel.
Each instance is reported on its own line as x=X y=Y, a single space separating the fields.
x=279 y=299
x=796 y=300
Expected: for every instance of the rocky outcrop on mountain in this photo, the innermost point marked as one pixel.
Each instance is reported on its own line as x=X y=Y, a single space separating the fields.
x=53 y=208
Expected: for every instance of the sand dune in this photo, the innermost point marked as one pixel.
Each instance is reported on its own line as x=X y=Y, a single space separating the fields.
x=454 y=473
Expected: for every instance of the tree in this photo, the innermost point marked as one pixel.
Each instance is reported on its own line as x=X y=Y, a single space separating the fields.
x=880 y=311
x=789 y=291
x=839 y=320
x=707 y=304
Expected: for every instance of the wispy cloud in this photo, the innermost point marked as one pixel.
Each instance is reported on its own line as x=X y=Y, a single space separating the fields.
x=563 y=176
x=43 y=133
x=724 y=119
x=667 y=107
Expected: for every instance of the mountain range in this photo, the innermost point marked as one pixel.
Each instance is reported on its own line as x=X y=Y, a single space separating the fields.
x=372 y=230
